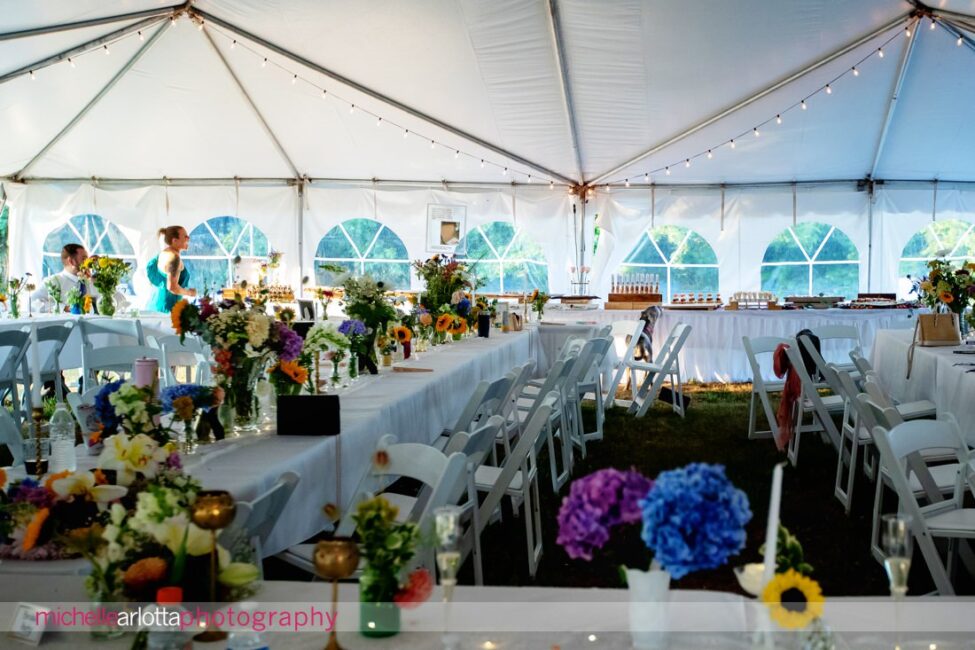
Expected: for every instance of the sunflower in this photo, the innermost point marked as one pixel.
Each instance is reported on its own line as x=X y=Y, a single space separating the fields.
x=458 y=326
x=88 y=303
x=444 y=322
x=293 y=370
x=946 y=297
x=403 y=334
x=176 y=315
x=794 y=601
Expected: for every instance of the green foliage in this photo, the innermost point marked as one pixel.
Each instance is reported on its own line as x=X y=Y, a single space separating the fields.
x=788 y=553
x=386 y=547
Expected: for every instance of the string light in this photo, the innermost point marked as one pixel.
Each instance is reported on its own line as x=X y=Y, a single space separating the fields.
x=432 y=144
x=233 y=46
x=456 y=154
x=732 y=143
x=755 y=131
x=646 y=177
x=803 y=104
x=608 y=188
x=959 y=41
x=504 y=172
x=667 y=170
x=200 y=25
x=687 y=162
x=933 y=24
x=351 y=109
x=778 y=119
x=379 y=122
x=627 y=182
x=829 y=89
x=71 y=62
x=551 y=185
x=141 y=37
x=107 y=51
x=264 y=63
x=907 y=31
x=324 y=93
x=294 y=80
x=482 y=163
x=406 y=133
x=172 y=21
x=32 y=77
x=856 y=73
x=710 y=155
x=529 y=178
x=880 y=52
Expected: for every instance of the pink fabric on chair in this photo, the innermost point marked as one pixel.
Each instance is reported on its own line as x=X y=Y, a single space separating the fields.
x=790 y=395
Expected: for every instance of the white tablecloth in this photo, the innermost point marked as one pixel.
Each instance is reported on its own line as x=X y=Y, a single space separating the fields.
x=516 y=618
x=714 y=352
x=415 y=407
x=934 y=376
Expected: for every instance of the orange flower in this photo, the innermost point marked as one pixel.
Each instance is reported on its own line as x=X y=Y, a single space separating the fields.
x=331 y=511
x=145 y=573
x=100 y=478
x=34 y=528
x=88 y=304
x=295 y=371
x=403 y=334
x=426 y=319
x=947 y=298
x=183 y=407
x=3 y=479
x=459 y=326
x=380 y=459
x=176 y=315
x=49 y=482
x=444 y=322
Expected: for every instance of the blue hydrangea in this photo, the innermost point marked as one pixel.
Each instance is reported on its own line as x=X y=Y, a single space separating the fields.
x=104 y=409
x=193 y=391
x=694 y=518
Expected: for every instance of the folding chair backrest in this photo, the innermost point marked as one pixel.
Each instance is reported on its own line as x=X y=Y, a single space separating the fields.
x=860 y=362
x=14 y=345
x=75 y=401
x=626 y=336
x=883 y=416
x=52 y=339
x=485 y=402
x=571 y=347
x=671 y=349
x=10 y=436
x=477 y=444
x=827 y=373
x=848 y=333
x=256 y=519
x=555 y=381
x=872 y=387
x=760 y=345
x=810 y=391
x=131 y=329
x=518 y=377
x=118 y=358
x=598 y=351
x=517 y=460
x=173 y=348
x=605 y=330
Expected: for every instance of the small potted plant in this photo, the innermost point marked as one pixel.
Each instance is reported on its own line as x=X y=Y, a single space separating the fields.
x=75 y=301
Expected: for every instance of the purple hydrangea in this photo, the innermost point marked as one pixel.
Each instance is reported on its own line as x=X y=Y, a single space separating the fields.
x=174 y=461
x=352 y=328
x=694 y=518
x=595 y=504
x=289 y=342
x=32 y=492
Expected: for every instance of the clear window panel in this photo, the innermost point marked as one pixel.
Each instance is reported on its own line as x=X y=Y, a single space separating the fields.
x=500 y=233
x=329 y=279
x=361 y=232
x=335 y=244
x=791 y=280
x=668 y=238
x=694 y=280
x=839 y=247
x=836 y=280
x=208 y=275
x=696 y=251
x=396 y=275
x=388 y=247
x=811 y=234
x=783 y=249
x=644 y=253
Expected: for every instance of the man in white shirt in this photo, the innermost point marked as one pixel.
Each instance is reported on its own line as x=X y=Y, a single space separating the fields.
x=72 y=255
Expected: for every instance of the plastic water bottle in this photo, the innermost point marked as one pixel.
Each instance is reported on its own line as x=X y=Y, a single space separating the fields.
x=62 y=441
x=246 y=639
x=169 y=638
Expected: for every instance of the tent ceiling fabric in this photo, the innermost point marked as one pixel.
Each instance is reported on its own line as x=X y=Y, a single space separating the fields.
x=639 y=72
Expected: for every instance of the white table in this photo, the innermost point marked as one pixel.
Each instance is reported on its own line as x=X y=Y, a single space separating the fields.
x=542 y=618
x=714 y=353
x=415 y=407
x=934 y=376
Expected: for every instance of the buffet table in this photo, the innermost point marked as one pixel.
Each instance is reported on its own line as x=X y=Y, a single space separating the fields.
x=713 y=352
x=543 y=618
x=937 y=374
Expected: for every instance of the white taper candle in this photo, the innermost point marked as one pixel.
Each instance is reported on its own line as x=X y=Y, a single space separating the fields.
x=772 y=529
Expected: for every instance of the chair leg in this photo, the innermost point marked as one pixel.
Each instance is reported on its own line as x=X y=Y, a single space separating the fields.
x=533 y=524
x=841 y=495
x=878 y=496
x=476 y=529
x=752 y=417
x=937 y=568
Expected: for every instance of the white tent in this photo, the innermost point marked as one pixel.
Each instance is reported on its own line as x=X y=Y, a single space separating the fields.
x=296 y=115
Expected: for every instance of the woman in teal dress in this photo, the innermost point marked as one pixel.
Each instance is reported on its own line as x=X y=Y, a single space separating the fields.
x=166 y=271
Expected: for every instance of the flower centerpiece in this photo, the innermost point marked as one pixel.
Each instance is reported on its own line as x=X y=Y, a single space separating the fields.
x=946 y=288
x=403 y=335
x=324 y=339
x=75 y=301
x=355 y=331
x=106 y=273
x=185 y=401
x=288 y=377
x=15 y=287
x=387 y=547
x=244 y=340
x=538 y=300
x=366 y=300
x=424 y=327
x=443 y=276
x=53 y=287
x=692 y=518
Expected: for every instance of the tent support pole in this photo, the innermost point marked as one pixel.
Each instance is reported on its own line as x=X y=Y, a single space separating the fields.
x=301 y=237
x=250 y=102
x=79 y=49
x=902 y=68
x=95 y=22
x=565 y=87
x=94 y=101
x=389 y=101
x=870 y=199
x=754 y=98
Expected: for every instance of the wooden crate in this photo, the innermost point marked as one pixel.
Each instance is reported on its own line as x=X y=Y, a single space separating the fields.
x=630 y=305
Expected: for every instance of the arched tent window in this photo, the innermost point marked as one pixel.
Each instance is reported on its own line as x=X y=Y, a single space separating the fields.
x=97 y=235
x=952 y=239
x=213 y=246
x=683 y=259
x=364 y=246
x=810 y=259
x=504 y=258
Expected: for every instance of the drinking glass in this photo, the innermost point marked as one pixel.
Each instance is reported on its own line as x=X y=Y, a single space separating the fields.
x=897 y=541
x=448 y=534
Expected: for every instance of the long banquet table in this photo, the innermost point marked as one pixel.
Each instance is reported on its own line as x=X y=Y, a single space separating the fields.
x=714 y=353
x=414 y=406
x=516 y=618
x=937 y=374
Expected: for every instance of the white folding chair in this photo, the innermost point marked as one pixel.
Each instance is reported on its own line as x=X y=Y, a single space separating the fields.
x=256 y=519
x=627 y=334
x=761 y=389
x=191 y=354
x=52 y=339
x=443 y=484
x=658 y=373
x=590 y=383
x=917 y=410
x=555 y=430
x=14 y=372
x=848 y=333
x=484 y=402
x=821 y=409
x=854 y=433
x=516 y=479
x=10 y=436
x=476 y=446
x=900 y=451
x=519 y=376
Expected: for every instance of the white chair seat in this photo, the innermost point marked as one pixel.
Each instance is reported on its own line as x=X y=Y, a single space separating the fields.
x=943 y=475
x=919 y=409
x=401 y=501
x=773 y=386
x=833 y=403
x=643 y=366
x=486 y=476
x=955 y=523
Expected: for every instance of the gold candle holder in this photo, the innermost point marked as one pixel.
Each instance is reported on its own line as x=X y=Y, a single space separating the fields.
x=336 y=559
x=37 y=415
x=213 y=510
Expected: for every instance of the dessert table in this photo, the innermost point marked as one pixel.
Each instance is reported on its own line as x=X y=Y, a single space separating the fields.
x=714 y=353
x=543 y=618
x=937 y=374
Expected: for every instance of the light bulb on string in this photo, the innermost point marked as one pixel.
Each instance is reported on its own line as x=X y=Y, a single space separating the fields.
x=802 y=104
x=32 y=77
x=646 y=177
x=959 y=41
x=456 y=153
x=71 y=62
x=107 y=51
x=627 y=182
x=778 y=119
x=406 y=133
x=324 y=93
x=756 y=132
x=379 y=122
x=264 y=63
x=907 y=31
x=856 y=73
x=710 y=155
x=351 y=109
x=141 y=37
x=829 y=89
x=504 y=172
x=529 y=178
x=551 y=185
x=482 y=163
x=172 y=21
x=233 y=46
x=933 y=24
x=608 y=188
x=880 y=52
x=732 y=143
x=687 y=163
x=200 y=26
x=432 y=144
x=294 y=80
x=667 y=170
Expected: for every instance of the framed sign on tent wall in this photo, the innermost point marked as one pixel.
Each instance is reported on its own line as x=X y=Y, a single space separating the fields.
x=446 y=227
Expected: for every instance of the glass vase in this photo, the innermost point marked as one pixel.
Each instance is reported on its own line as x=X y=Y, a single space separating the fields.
x=353 y=366
x=336 y=377
x=106 y=305
x=14 y=305
x=242 y=395
x=378 y=620
x=649 y=593
x=108 y=605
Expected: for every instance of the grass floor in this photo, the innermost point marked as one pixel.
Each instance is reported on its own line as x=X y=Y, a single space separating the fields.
x=714 y=431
